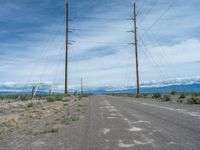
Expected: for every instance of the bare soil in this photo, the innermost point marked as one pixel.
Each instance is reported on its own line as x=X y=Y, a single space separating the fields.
x=32 y=124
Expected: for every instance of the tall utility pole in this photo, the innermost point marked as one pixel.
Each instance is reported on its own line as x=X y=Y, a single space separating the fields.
x=33 y=91
x=50 y=92
x=81 y=85
x=136 y=50
x=66 y=58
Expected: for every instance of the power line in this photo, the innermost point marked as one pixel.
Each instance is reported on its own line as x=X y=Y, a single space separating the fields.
x=99 y=18
x=150 y=10
x=151 y=57
x=95 y=30
x=141 y=8
x=158 y=19
x=164 y=55
x=98 y=42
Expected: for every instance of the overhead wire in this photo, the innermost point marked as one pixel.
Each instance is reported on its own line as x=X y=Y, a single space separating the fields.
x=42 y=56
x=57 y=67
x=46 y=69
x=149 y=11
x=164 y=55
x=152 y=58
x=140 y=10
x=163 y=13
x=98 y=18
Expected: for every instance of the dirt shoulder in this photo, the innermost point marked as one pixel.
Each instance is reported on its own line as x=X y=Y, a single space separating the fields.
x=40 y=124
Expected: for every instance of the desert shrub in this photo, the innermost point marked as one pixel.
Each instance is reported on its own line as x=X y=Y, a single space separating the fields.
x=11 y=96
x=53 y=130
x=166 y=98
x=195 y=99
x=59 y=97
x=190 y=101
x=67 y=120
x=28 y=131
x=50 y=98
x=138 y=96
x=130 y=95
x=195 y=94
x=11 y=122
x=80 y=96
x=182 y=96
x=173 y=92
x=156 y=95
x=53 y=98
x=180 y=100
x=2 y=97
x=24 y=97
x=145 y=95
x=30 y=105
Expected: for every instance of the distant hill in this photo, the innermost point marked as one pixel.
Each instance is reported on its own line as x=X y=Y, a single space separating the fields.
x=107 y=90
x=178 y=88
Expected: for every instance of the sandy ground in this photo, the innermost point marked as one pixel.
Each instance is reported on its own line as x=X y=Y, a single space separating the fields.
x=34 y=124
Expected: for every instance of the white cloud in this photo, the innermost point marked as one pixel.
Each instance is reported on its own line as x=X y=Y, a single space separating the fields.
x=160 y=60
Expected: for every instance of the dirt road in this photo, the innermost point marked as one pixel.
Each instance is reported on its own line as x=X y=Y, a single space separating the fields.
x=125 y=123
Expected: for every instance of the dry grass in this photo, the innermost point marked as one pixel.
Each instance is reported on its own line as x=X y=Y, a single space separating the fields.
x=11 y=122
x=69 y=119
x=37 y=117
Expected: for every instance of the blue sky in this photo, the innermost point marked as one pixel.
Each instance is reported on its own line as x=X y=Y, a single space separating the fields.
x=32 y=42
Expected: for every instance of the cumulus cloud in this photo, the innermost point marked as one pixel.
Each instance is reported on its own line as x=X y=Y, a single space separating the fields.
x=101 y=55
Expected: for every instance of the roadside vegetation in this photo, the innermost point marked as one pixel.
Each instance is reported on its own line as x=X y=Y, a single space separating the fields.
x=45 y=114
x=173 y=96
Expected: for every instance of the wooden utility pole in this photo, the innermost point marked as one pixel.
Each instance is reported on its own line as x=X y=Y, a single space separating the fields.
x=50 y=92
x=33 y=91
x=136 y=50
x=81 y=85
x=66 y=58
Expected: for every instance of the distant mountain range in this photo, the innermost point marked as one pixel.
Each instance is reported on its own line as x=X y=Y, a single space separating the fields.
x=106 y=90
x=191 y=84
x=178 y=88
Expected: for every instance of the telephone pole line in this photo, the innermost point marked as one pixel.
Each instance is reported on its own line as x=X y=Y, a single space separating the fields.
x=136 y=50
x=67 y=42
x=81 y=85
x=33 y=92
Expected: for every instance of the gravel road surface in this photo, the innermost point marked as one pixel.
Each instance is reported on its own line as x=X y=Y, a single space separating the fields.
x=126 y=123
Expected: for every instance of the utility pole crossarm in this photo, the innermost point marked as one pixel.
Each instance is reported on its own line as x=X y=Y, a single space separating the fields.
x=136 y=50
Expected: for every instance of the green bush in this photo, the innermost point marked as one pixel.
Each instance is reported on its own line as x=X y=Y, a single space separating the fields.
x=156 y=95
x=190 y=101
x=180 y=100
x=53 y=98
x=24 y=97
x=166 y=98
x=196 y=99
x=30 y=105
x=182 y=96
x=145 y=95
x=195 y=94
x=2 y=97
x=130 y=95
x=69 y=119
x=53 y=130
x=50 y=98
x=173 y=92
